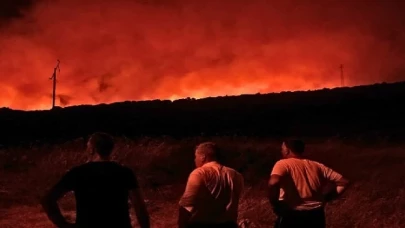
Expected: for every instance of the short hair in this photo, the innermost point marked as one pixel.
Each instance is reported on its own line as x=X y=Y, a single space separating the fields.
x=103 y=143
x=208 y=149
x=295 y=145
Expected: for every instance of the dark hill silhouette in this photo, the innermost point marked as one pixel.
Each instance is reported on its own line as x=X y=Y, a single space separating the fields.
x=328 y=112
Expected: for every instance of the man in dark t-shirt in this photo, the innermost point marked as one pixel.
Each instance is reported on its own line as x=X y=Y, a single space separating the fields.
x=102 y=188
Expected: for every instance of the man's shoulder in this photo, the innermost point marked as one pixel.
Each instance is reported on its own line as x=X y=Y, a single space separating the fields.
x=198 y=171
x=124 y=168
x=101 y=165
x=321 y=166
x=202 y=171
x=235 y=175
x=316 y=163
x=283 y=161
x=287 y=162
x=78 y=168
x=281 y=166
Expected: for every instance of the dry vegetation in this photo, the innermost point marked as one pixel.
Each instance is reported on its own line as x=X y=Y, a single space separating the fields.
x=376 y=198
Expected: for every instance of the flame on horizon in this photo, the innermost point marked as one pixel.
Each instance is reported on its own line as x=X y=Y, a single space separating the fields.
x=135 y=50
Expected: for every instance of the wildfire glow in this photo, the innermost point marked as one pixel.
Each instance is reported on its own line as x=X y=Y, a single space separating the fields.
x=134 y=50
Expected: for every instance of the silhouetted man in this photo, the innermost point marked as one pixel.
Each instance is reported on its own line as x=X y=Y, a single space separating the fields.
x=102 y=188
x=296 y=188
x=211 y=197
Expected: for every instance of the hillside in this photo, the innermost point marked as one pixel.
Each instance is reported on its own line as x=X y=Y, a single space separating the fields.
x=328 y=112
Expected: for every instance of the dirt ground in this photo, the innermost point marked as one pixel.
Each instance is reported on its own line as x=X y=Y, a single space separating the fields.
x=375 y=199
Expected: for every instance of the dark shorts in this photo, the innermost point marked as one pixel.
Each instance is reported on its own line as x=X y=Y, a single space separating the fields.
x=209 y=225
x=294 y=219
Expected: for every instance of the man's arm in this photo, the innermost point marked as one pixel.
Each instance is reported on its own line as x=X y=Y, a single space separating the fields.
x=50 y=201
x=189 y=199
x=274 y=185
x=140 y=208
x=242 y=186
x=274 y=193
x=183 y=218
x=341 y=183
x=137 y=200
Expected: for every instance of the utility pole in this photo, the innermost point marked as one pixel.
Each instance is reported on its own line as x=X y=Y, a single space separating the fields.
x=54 y=83
x=342 y=79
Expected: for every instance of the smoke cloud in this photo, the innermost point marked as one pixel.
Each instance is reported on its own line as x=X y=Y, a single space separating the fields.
x=134 y=50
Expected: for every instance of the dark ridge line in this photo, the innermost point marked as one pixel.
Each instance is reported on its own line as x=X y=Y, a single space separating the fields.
x=252 y=95
x=376 y=110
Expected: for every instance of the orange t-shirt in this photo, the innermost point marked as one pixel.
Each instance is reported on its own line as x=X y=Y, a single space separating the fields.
x=303 y=182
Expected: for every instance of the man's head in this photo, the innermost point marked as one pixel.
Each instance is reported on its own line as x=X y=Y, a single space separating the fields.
x=292 y=148
x=206 y=152
x=101 y=144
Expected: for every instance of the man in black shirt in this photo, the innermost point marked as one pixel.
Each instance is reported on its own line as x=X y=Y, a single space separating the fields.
x=102 y=188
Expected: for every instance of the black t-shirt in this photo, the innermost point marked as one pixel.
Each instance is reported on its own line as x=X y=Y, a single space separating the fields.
x=101 y=191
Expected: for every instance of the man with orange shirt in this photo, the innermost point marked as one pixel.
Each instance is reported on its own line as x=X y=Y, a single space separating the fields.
x=296 y=188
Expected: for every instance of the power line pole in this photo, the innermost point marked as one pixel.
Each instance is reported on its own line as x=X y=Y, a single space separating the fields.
x=342 y=79
x=54 y=83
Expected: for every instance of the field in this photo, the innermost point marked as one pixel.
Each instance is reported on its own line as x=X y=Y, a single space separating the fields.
x=375 y=199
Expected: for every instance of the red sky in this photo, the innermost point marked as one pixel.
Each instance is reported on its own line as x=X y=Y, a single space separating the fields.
x=134 y=50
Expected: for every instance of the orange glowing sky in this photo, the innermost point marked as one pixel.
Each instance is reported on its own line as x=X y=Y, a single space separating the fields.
x=134 y=50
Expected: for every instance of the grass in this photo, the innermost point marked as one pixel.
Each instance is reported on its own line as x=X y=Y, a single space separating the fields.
x=376 y=198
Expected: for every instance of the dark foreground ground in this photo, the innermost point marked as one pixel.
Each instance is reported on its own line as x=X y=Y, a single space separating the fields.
x=376 y=198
